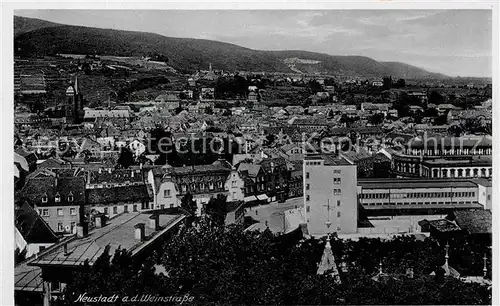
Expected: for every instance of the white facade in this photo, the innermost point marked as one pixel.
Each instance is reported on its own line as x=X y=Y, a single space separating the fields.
x=330 y=197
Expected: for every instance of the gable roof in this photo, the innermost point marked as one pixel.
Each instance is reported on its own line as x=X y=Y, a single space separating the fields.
x=36 y=188
x=32 y=227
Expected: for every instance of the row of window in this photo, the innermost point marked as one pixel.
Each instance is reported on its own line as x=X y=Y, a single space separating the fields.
x=337 y=171
x=57 y=198
x=125 y=209
x=313 y=163
x=415 y=195
x=201 y=185
x=45 y=212
x=308 y=208
x=418 y=203
x=61 y=228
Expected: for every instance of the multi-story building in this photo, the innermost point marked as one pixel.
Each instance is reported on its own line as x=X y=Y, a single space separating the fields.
x=57 y=200
x=42 y=279
x=442 y=157
x=171 y=184
x=330 y=199
x=396 y=196
x=266 y=179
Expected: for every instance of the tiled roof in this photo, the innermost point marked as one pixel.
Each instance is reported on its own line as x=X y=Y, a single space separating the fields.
x=442 y=225
x=116 y=176
x=32 y=227
x=123 y=194
x=36 y=188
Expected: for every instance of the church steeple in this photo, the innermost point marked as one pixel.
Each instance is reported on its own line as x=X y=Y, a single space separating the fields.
x=328 y=264
x=76 y=85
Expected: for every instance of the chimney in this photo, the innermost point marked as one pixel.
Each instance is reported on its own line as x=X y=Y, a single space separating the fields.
x=82 y=229
x=139 y=231
x=66 y=249
x=154 y=222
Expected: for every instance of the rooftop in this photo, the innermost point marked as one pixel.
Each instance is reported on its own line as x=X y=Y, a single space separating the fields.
x=408 y=183
x=117 y=234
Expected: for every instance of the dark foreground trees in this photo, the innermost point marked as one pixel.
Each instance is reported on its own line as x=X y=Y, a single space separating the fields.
x=227 y=266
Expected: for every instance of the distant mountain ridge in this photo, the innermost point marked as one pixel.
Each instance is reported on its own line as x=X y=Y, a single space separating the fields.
x=40 y=37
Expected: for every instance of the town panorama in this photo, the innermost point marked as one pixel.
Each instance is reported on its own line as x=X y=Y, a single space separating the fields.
x=152 y=170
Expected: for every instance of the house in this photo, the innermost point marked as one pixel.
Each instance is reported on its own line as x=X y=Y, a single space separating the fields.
x=57 y=200
x=32 y=233
x=171 y=184
x=41 y=279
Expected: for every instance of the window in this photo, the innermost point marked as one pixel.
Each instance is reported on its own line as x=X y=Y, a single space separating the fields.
x=336 y=180
x=338 y=203
x=308 y=208
x=115 y=210
x=307 y=198
x=338 y=214
x=338 y=228
x=73 y=225
x=45 y=199
x=307 y=186
x=162 y=206
x=105 y=210
x=307 y=175
x=211 y=186
x=45 y=212
x=172 y=205
x=233 y=184
x=166 y=193
x=57 y=198
x=135 y=207
x=489 y=197
x=60 y=212
x=60 y=227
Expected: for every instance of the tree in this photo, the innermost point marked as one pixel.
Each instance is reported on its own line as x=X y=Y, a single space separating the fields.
x=401 y=83
x=377 y=118
x=189 y=204
x=126 y=158
x=315 y=86
x=215 y=210
x=209 y=110
x=435 y=97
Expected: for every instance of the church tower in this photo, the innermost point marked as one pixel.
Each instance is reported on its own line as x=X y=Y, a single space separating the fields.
x=75 y=105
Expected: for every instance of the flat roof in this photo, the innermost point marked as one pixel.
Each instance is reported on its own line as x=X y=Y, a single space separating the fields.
x=119 y=232
x=421 y=206
x=414 y=183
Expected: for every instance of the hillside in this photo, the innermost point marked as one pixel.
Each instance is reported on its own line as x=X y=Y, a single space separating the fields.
x=24 y=25
x=37 y=37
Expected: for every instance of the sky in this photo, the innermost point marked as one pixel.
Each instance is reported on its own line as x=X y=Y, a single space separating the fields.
x=452 y=42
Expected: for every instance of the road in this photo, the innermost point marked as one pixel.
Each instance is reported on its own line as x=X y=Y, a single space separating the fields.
x=272 y=213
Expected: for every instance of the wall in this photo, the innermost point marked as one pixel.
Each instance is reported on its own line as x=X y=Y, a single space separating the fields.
x=321 y=186
x=172 y=201
x=235 y=187
x=53 y=219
